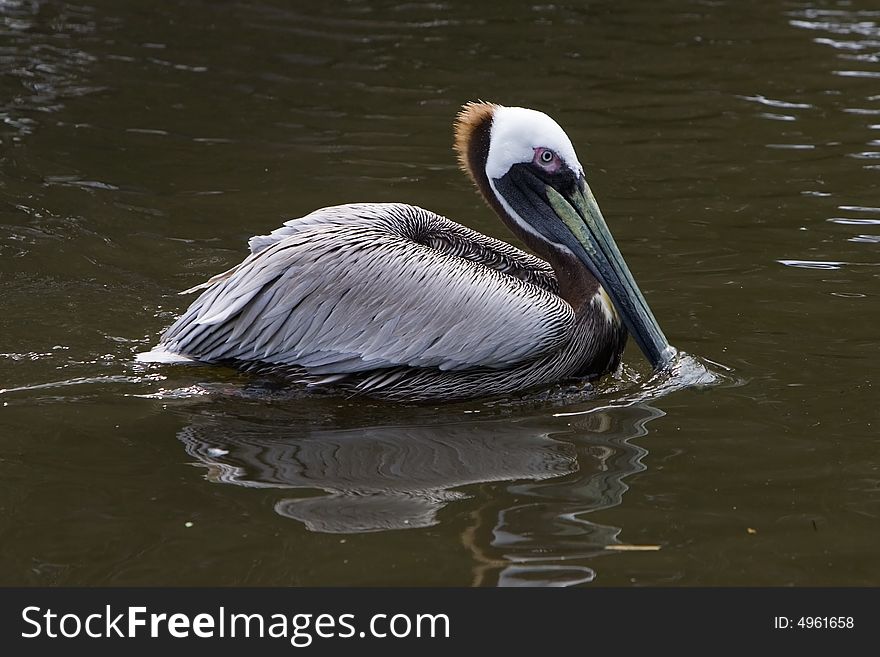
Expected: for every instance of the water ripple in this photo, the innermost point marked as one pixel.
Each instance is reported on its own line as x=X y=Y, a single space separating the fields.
x=684 y=372
x=857 y=74
x=825 y=264
x=854 y=222
x=772 y=102
x=41 y=68
x=85 y=380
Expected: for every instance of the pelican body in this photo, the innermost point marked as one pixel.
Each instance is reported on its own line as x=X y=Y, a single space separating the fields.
x=394 y=301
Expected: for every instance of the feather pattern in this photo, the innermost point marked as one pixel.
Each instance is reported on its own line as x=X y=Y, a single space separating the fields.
x=387 y=299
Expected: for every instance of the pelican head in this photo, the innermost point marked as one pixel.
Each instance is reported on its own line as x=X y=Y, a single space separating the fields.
x=527 y=169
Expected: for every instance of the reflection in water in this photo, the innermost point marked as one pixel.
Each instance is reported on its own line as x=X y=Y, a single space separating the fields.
x=377 y=478
x=532 y=531
x=558 y=509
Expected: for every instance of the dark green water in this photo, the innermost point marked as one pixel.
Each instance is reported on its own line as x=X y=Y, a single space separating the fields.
x=734 y=147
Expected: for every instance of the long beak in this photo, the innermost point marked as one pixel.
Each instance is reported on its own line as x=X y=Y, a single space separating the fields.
x=600 y=254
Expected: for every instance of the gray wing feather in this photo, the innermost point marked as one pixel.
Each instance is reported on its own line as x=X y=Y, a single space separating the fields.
x=361 y=287
x=449 y=237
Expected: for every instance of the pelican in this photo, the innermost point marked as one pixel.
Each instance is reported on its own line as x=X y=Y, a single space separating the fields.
x=394 y=301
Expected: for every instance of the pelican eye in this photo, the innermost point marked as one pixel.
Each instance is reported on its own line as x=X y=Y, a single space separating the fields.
x=547 y=159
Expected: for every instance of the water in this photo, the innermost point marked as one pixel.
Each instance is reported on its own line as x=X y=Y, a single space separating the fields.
x=734 y=148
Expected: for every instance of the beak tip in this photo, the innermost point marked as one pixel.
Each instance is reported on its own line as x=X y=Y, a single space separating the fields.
x=667 y=355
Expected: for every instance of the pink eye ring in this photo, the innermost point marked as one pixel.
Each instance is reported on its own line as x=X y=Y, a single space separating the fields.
x=547 y=159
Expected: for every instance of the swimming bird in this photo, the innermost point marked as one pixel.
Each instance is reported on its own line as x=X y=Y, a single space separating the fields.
x=394 y=301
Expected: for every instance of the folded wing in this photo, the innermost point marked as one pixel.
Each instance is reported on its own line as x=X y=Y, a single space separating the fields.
x=364 y=287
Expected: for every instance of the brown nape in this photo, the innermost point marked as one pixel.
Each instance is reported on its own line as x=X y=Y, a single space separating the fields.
x=472 y=127
x=473 y=131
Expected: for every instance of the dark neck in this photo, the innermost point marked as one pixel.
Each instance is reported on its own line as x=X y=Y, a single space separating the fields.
x=576 y=284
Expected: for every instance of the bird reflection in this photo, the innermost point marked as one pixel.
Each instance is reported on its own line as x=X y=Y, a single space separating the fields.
x=376 y=478
x=541 y=541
